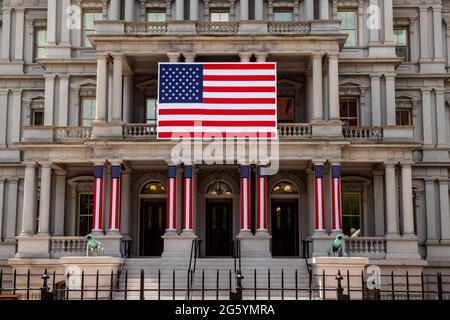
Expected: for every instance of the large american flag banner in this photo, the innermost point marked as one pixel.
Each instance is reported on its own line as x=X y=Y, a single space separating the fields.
x=206 y=100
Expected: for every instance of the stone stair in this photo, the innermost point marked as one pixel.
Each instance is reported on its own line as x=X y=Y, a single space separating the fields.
x=209 y=271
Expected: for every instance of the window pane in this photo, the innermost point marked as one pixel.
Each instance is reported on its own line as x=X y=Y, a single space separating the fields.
x=285 y=110
x=38 y=118
x=88 y=25
x=351 y=213
x=88 y=111
x=283 y=16
x=219 y=16
x=151 y=111
x=155 y=16
x=86 y=206
x=349 y=26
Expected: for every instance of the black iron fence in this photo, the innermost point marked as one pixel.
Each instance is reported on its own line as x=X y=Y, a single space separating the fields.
x=221 y=285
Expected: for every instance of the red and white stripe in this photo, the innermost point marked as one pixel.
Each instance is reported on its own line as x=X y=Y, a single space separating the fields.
x=97 y=217
x=239 y=99
x=261 y=202
x=336 y=203
x=187 y=200
x=319 y=203
x=114 y=201
x=245 y=204
x=171 y=211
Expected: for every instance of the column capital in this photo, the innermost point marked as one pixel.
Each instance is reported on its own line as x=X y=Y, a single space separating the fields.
x=318 y=162
x=440 y=90
x=261 y=56
x=317 y=55
x=424 y=8
x=46 y=165
x=102 y=55
x=245 y=56
x=335 y=162
x=64 y=76
x=49 y=76
x=115 y=162
x=426 y=90
x=173 y=56
x=390 y=164
x=406 y=164
x=99 y=162
x=378 y=172
x=389 y=76
x=30 y=164
x=375 y=77
x=333 y=55
x=189 y=56
x=117 y=55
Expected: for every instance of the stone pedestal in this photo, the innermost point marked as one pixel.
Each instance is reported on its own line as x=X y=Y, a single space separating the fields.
x=331 y=266
x=438 y=250
x=321 y=242
x=322 y=129
x=402 y=247
x=178 y=246
x=255 y=246
x=33 y=247
x=105 y=131
x=111 y=244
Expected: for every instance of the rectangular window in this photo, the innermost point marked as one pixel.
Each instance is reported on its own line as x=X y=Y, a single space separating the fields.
x=351 y=213
x=283 y=15
x=401 y=42
x=156 y=16
x=285 y=110
x=349 y=111
x=40 y=35
x=86 y=208
x=37 y=117
x=220 y=16
x=403 y=117
x=349 y=26
x=150 y=112
x=88 y=106
x=89 y=17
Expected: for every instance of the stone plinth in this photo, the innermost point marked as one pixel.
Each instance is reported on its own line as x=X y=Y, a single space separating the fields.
x=255 y=246
x=178 y=246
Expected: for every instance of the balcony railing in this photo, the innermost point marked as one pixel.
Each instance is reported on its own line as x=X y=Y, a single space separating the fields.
x=369 y=247
x=72 y=133
x=145 y=27
x=143 y=130
x=294 y=130
x=67 y=246
x=209 y=27
x=289 y=27
x=363 y=133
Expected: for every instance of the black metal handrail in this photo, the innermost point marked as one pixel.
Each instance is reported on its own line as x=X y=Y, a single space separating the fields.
x=195 y=252
x=237 y=256
x=306 y=254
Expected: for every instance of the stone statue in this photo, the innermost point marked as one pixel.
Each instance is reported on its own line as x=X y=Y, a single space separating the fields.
x=93 y=246
x=336 y=246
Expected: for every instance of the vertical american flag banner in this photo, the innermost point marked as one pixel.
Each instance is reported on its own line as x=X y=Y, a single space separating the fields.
x=228 y=100
x=171 y=210
x=114 y=198
x=261 y=199
x=245 y=198
x=319 y=197
x=97 y=217
x=187 y=199
x=336 y=197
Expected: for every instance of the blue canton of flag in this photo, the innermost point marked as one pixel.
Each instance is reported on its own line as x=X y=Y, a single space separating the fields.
x=115 y=172
x=172 y=172
x=318 y=171
x=180 y=83
x=98 y=171
x=336 y=171
x=245 y=172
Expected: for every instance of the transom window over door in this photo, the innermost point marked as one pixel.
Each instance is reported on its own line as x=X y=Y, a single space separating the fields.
x=351 y=213
x=89 y=18
x=88 y=106
x=349 y=26
x=349 y=111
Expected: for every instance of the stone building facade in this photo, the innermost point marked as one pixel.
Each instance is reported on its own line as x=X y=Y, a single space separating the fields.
x=362 y=86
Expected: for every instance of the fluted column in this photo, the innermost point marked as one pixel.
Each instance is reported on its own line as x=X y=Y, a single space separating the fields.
x=388 y=22
x=6 y=34
x=29 y=200
x=63 y=116
x=117 y=88
x=49 y=99
x=60 y=202
x=437 y=32
x=336 y=210
x=261 y=200
x=245 y=199
x=44 y=203
x=441 y=122
x=430 y=209
x=427 y=116
x=125 y=203
x=102 y=89
x=423 y=19
x=127 y=97
x=52 y=14
x=378 y=202
x=187 y=199
x=333 y=85
x=97 y=222
x=3 y=116
x=375 y=95
x=65 y=31
x=317 y=87
x=171 y=210
x=115 y=191
x=20 y=28
x=375 y=32
x=2 y=196
x=319 y=198
x=391 y=199
x=390 y=100
x=407 y=199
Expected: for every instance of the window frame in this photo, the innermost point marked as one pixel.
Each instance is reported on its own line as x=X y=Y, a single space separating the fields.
x=356 y=29
x=82 y=99
x=33 y=116
x=344 y=119
x=90 y=215
x=283 y=10
x=410 y=116
x=406 y=58
x=36 y=45
x=147 y=119
x=219 y=10
x=359 y=194
x=85 y=43
x=155 y=10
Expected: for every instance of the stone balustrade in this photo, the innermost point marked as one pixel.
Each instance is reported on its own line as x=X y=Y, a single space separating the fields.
x=67 y=246
x=369 y=247
x=288 y=27
x=145 y=27
x=72 y=133
x=294 y=130
x=363 y=133
x=139 y=131
x=210 y=27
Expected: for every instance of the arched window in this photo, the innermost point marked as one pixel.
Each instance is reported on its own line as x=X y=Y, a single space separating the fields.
x=284 y=187
x=154 y=187
x=219 y=188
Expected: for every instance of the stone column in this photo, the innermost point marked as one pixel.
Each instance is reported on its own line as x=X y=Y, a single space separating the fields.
x=259 y=9
x=193 y=10
x=437 y=32
x=391 y=199
x=60 y=202
x=441 y=121
x=125 y=203
x=52 y=14
x=261 y=200
x=333 y=85
x=171 y=215
x=187 y=200
x=102 y=89
x=336 y=209
x=20 y=26
x=445 y=211
x=309 y=9
x=16 y=115
x=424 y=49
x=44 y=204
x=317 y=87
x=65 y=31
x=179 y=9
x=407 y=200
x=117 y=88
x=261 y=56
x=6 y=34
x=2 y=195
x=49 y=99
x=63 y=115
x=427 y=116
x=115 y=191
x=11 y=209
x=430 y=210
x=244 y=9
x=3 y=116
x=173 y=56
x=114 y=9
x=245 y=56
x=390 y=100
x=245 y=200
x=29 y=200
x=127 y=97
x=378 y=203
x=374 y=32
x=324 y=12
x=99 y=171
x=319 y=197
x=375 y=91
x=388 y=22
x=189 y=57
x=129 y=10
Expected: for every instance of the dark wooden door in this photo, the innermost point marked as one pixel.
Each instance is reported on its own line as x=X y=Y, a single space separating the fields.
x=284 y=228
x=218 y=228
x=153 y=226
